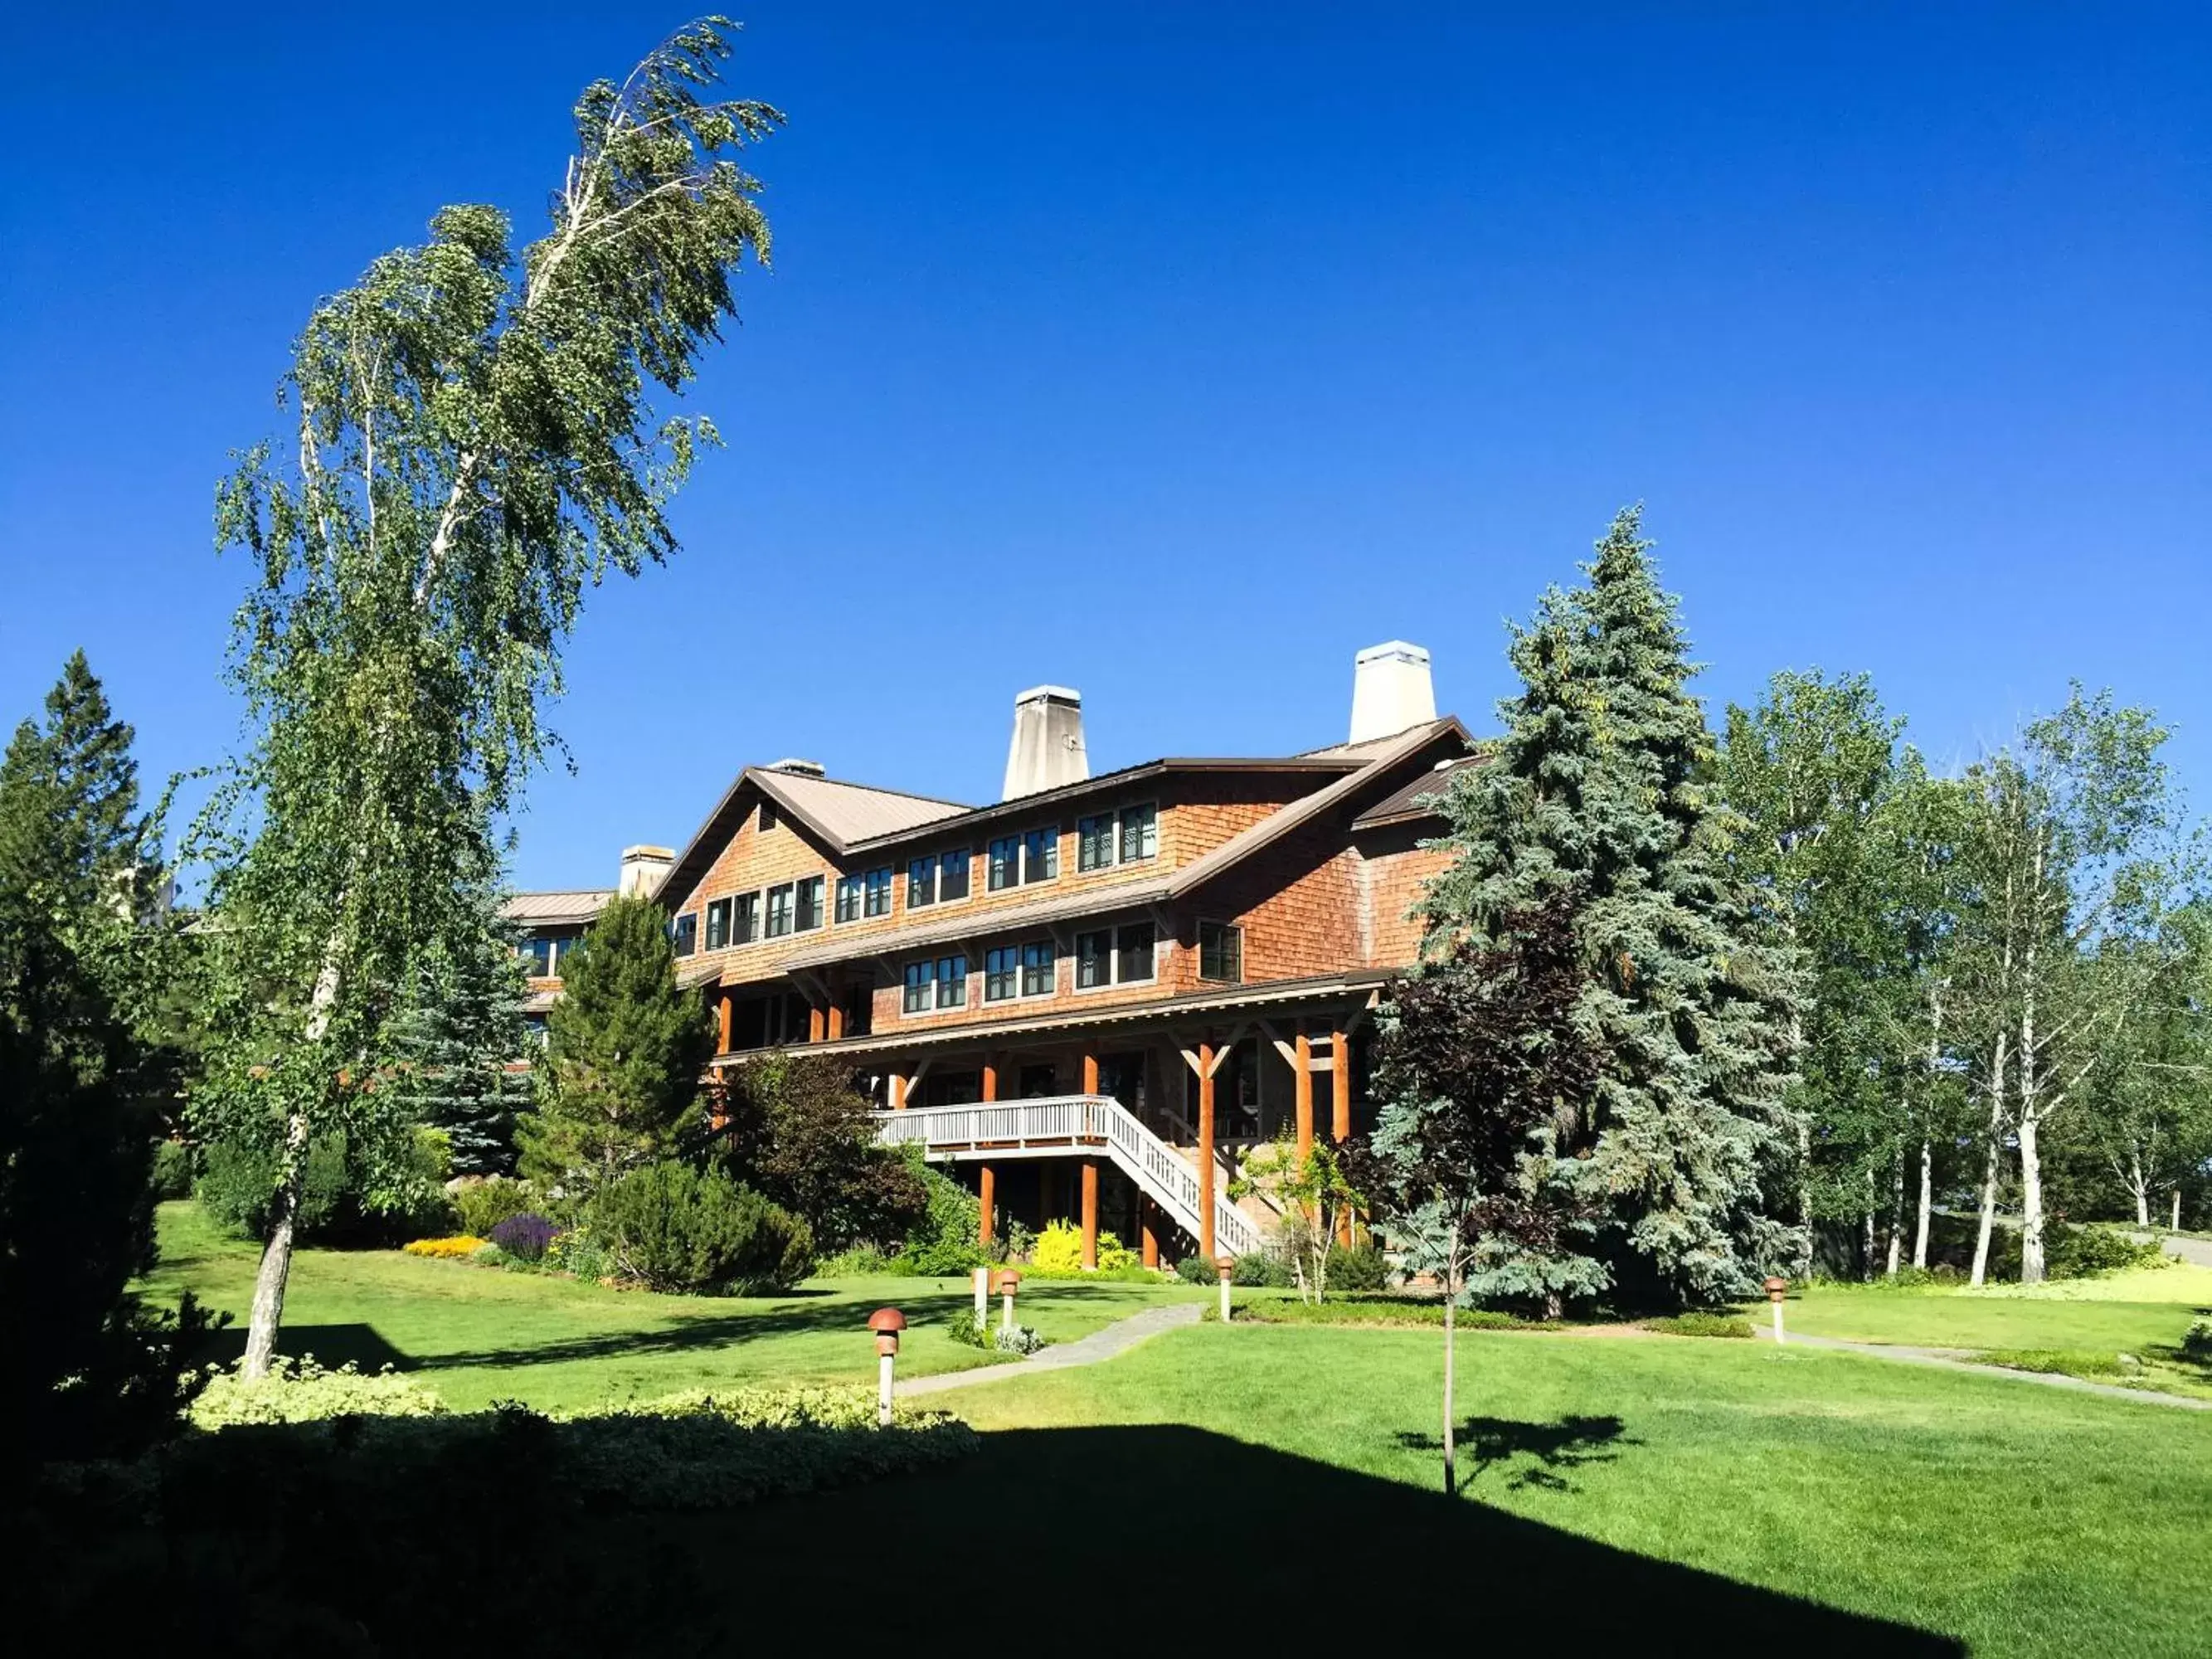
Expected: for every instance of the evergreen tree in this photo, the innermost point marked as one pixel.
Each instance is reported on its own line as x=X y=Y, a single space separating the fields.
x=456 y=1038
x=1600 y=785
x=625 y=1048
x=85 y=1370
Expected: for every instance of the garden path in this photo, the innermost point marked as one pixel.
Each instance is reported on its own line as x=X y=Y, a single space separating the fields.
x=1117 y=1337
x=1960 y=1359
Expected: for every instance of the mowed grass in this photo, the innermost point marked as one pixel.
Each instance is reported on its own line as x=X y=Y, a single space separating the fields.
x=2129 y=1311
x=478 y=1334
x=2019 y=1519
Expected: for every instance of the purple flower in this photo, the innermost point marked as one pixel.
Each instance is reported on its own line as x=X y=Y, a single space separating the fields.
x=525 y=1235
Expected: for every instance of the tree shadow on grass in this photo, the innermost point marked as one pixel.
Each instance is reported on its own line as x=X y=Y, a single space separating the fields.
x=681 y=1334
x=1484 y=1443
x=331 y=1345
x=1042 y=1531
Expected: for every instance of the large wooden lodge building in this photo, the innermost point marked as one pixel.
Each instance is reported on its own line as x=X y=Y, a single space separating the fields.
x=1091 y=996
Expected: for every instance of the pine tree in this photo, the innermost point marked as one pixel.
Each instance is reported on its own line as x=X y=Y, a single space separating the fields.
x=1600 y=785
x=76 y=835
x=625 y=1048
x=455 y=1040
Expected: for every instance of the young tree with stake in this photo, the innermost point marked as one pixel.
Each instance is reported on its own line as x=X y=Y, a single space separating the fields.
x=1487 y=1062
x=476 y=445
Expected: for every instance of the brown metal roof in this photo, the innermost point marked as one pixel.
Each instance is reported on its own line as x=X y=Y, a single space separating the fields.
x=1229 y=1000
x=552 y=910
x=1407 y=804
x=850 y=812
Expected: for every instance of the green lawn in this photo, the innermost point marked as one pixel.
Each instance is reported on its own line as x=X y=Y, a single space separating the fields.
x=2019 y=1519
x=478 y=1334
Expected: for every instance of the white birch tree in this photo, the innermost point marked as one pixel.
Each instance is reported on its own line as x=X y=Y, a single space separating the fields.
x=475 y=444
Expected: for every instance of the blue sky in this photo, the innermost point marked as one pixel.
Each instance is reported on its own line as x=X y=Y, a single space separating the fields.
x=1176 y=353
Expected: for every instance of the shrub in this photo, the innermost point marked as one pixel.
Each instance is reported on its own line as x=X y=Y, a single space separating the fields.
x=2091 y=1252
x=579 y=1254
x=300 y=1391
x=2197 y=1341
x=795 y=1131
x=1196 y=1270
x=964 y=1328
x=671 y=1228
x=459 y=1248
x=172 y=1169
x=1695 y=1323
x=1022 y=1340
x=524 y=1237
x=1358 y=1267
x=485 y=1203
x=236 y=1184
x=1260 y=1271
x=943 y=1245
x=860 y=1262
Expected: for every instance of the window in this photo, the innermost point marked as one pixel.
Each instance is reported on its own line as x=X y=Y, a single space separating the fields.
x=1221 y=952
x=999 y=966
x=538 y=953
x=920 y=883
x=779 y=911
x=952 y=982
x=917 y=997
x=685 y=932
x=849 y=898
x=1094 y=842
x=1038 y=962
x=1006 y=862
x=1041 y=854
x=744 y=923
x=718 y=925
x=1140 y=833
x=876 y=893
x=951 y=876
x=767 y=815
x=1134 y=954
x=1094 y=959
x=808 y=904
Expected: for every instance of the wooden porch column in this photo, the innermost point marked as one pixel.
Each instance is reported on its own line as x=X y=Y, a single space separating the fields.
x=990 y=1076
x=1205 y=1151
x=1090 y=1074
x=1148 y=1241
x=1302 y=1064
x=814 y=1026
x=898 y=1091
x=990 y=1198
x=1339 y=1077
x=722 y=1006
x=1090 y=1215
x=836 y=1021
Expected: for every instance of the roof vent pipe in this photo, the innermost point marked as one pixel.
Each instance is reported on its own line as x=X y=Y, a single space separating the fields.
x=1390 y=690
x=805 y=769
x=1047 y=750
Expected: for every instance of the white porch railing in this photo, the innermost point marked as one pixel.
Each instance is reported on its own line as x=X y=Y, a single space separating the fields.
x=1060 y=1124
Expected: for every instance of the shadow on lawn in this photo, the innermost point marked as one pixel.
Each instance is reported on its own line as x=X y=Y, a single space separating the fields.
x=1487 y=1441
x=331 y=1346
x=685 y=1332
x=1246 y=1533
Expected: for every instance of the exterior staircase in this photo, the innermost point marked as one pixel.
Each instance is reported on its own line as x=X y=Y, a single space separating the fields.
x=1084 y=1125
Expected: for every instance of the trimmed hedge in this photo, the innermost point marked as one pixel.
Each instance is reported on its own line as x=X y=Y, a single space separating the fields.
x=1404 y=1312
x=1700 y=1324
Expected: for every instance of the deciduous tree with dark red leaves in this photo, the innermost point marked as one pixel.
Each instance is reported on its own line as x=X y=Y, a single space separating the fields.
x=1485 y=1070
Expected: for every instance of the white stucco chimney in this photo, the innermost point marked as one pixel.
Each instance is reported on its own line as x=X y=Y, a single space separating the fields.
x=1390 y=690
x=1047 y=750
x=642 y=867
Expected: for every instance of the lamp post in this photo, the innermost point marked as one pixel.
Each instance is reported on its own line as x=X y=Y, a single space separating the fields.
x=1225 y=1266
x=1008 y=1279
x=886 y=1323
x=1775 y=1288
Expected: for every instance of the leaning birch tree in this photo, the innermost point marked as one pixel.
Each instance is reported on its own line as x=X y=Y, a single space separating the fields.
x=475 y=444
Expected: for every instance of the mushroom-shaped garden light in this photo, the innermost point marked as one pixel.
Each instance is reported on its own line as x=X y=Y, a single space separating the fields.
x=886 y=1323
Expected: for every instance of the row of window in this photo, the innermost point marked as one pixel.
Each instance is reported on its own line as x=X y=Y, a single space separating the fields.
x=1106 y=956
x=1102 y=841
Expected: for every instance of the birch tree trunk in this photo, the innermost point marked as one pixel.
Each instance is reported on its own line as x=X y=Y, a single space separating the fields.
x=275 y=1270
x=1866 y=1232
x=1990 y=1166
x=2176 y=1222
x=1896 y=1216
x=1926 y=1204
x=2030 y=1205
x=2141 y=1188
x=2031 y=1084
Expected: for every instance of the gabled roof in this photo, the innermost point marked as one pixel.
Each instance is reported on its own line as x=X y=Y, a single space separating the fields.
x=1105 y=899
x=553 y=910
x=838 y=813
x=1404 y=806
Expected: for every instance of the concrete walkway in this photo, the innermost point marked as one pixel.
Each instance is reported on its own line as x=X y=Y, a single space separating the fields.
x=1117 y=1337
x=1961 y=1359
